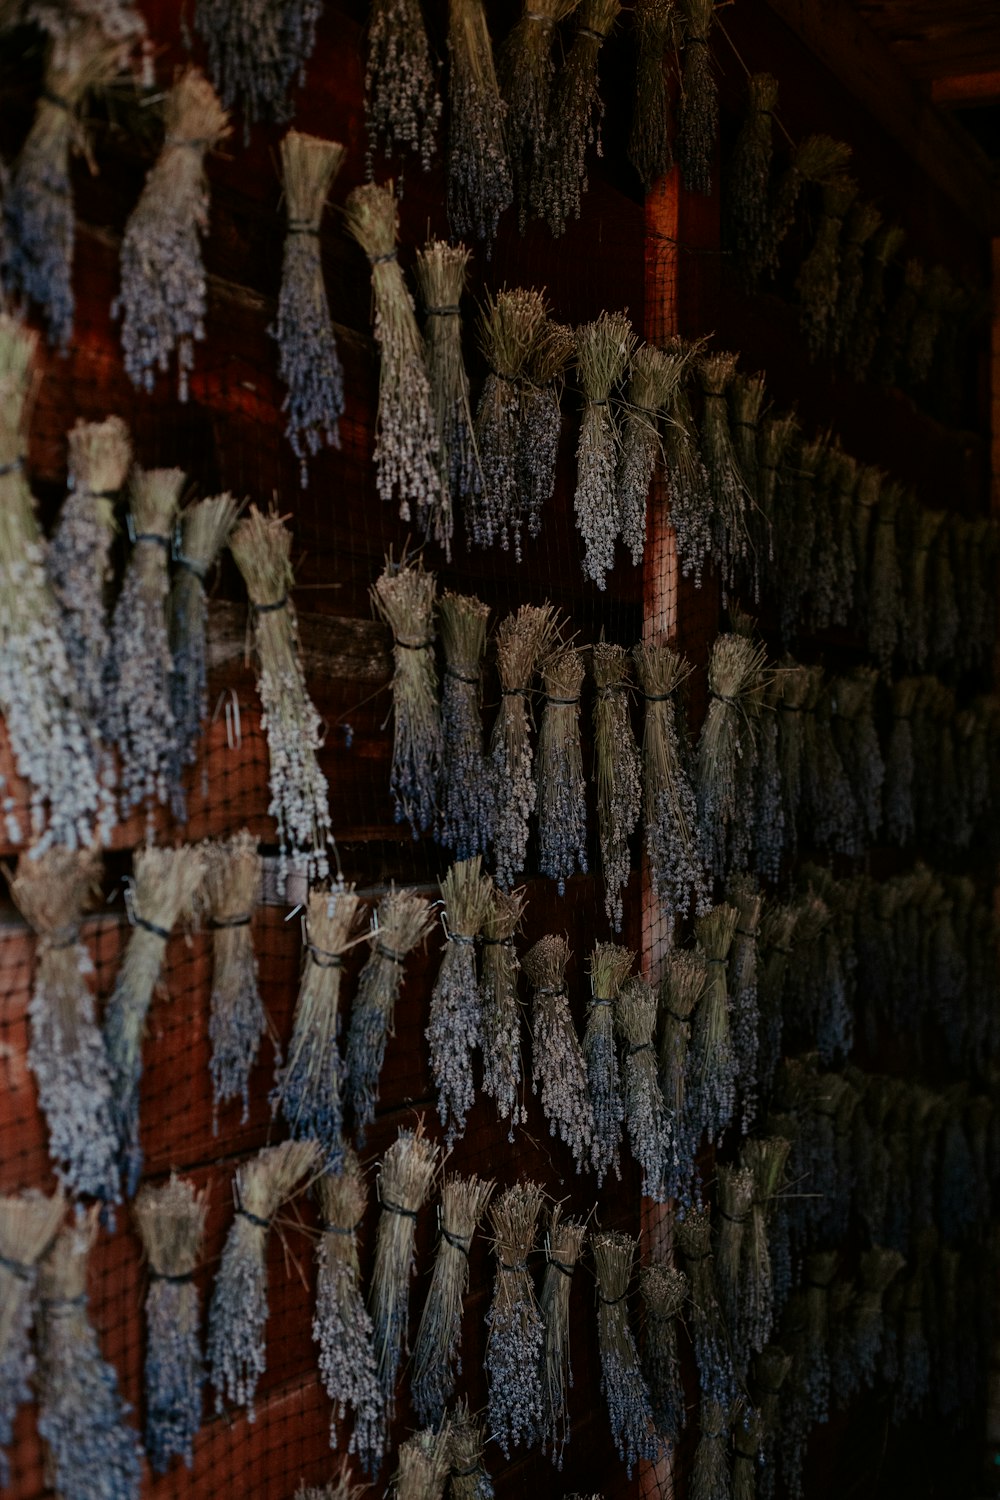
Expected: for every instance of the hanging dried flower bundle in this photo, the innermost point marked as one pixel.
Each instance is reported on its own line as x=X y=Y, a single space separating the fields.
x=652 y=387
x=649 y=1125
x=163 y=297
x=403 y=920
x=925 y=325
x=165 y=885
x=404 y=1181
x=77 y=561
x=437 y=1360
x=576 y=112
x=753 y=1312
x=747 y=202
x=857 y=742
x=609 y=968
x=877 y=1269
x=257 y=53
x=540 y=424
x=727 y=750
x=746 y=396
x=563 y=1247
x=501 y=1008
x=467 y=795
x=308 y=361
x=237 y=1020
x=684 y=470
x=863 y=219
x=29 y=1223
x=817 y=159
x=441 y=271
x=649 y=148
x=711 y=1350
x=341 y=1488
x=455 y=1026
x=510 y=323
x=406 y=437
x=710 y=1471
x=205 y=529
x=795 y=720
x=885 y=586
x=424 y=1462
x=664 y=1293
x=619 y=790
x=889 y=360
x=53 y=747
x=524 y=639
x=404 y=596
x=480 y=185
x=899 y=762
x=734 y=1186
x=818 y=281
x=562 y=813
x=741 y=979
x=468 y=1477
x=771 y=1368
x=807 y=1393
x=341 y=1325
x=402 y=104
x=171 y=1222
x=622 y=1381
x=685 y=978
x=527 y=70
x=558 y=1068
x=776 y=439
x=921 y=530
x=261 y=545
x=66 y=1052
x=859 y=348
x=771 y=834
x=238 y=1312
x=698 y=110
x=81 y=1415
x=712 y=1077
x=515 y=1349
x=603 y=351
x=730 y=497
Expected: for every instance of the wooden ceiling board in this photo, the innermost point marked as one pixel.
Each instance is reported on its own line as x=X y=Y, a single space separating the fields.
x=938 y=38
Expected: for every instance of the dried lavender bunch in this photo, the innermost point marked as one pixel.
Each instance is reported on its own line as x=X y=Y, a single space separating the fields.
x=257 y=53
x=885 y=586
x=467 y=796
x=424 y=1462
x=664 y=1293
x=558 y=1067
x=920 y=529
x=468 y=1477
x=698 y=111
x=405 y=1176
x=540 y=423
x=817 y=159
x=455 y=1027
x=685 y=977
x=307 y=1088
x=649 y=1125
x=403 y=919
x=888 y=364
x=860 y=346
x=747 y=203
x=863 y=219
x=878 y=1268
x=510 y=323
x=727 y=750
x=857 y=742
x=165 y=885
x=480 y=184
x=406 y=435
x=899 y=762
x=237 y=1315
x=163 y=297
x=53 y=746
x=653 y=378
x=604 y=349
x=576 y=112
x=619 y=789
x=402 y=104
x=205 y=529
x=925 y=326
x=237 y=1021
x=559 y=780
x=807 y=1395
x=441 y=271
x=139 y=716
x=741 y=980
x=501 y=1008
x=404 y=597
x=81 y=1415
x=261 y=545
x=28 y=1224
x=341 y=1325
x=734 y=1187
x=730 y=497
x=746 y=394
x=622 y=1381
x=684 y=470
x=711 y=1350
x=66 y=1052
x=776 y=443
x=753 y=1316
x=771 y=1368
x=563 y=1246
x=308 y=361
x=437 y=1358
x=526 y=72
x=340 y=1488
x=649 y=148
x=609 y=968
x=818 y=281
x=514 y=1351
x=712 y=1083
x=771 y=834
x=77 y=561
x=777 y=929
x=171 y=1222
x=524 y=639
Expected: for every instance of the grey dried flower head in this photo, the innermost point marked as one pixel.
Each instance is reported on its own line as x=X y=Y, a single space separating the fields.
x=564 y=1242
x=558 y=1068
x=402 y=104
x=237 y=1020
x=664 y=1293
x=603 y=352
x=576 y=111
x=649 y=147
x=747 y=202
x=512 y=322
x=257 y=52
x=540 y=424
x=684 y=469
x=501 y=1006
x=715 y=1370
x=818 y=282
x=624 y=1385
x=562 y=814
x=455 y=1026
x=609 y=967
x=651 y=390
x=467 y=775
x=404 y=597
x=480 y=185
x=649 y=1123
x=527 y=70
x=619 y=785
x=516 y=1333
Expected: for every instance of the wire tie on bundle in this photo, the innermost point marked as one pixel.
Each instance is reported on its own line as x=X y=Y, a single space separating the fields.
x=154 y=536
x=12 y=467
x=245 y=1213
x=194 y=143
x=611 y=1301
x=518 y=692
x=62 y=1305
x=302 y=226
x=551 y=990
x=405 y=645
x=561 y=1265
x=518 y=1265
x=329 y=1228
x=16 y=1268
x=59 y=100
x=451 y=311
x=641 y=1047
x=459 y=1241
x=476 y=1468
x=505 y=942
x=390 y=954
x=461 y=676
x=178 y=1278
x=324 y=960
x=190 y=565
x=218 y=923
x=269 y=609
x=733 y=1218
x=657 y=697
x=160 y=932
x=596 y=36
x=68 y=938
x=397 y=1208
x=382 y=260
x=562 y=702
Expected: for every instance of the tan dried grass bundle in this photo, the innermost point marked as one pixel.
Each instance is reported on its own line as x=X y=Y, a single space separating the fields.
x=516 y=1332
x=437 y=1354
x=340 y=1488
x=710 y=1472
x=564 y=1242
x=29 y=1223
x=562 y=813
x=619 y=789
x=441 y=271
x=510 y=323
x=467 y=797
x=455 y=1025
x=405 y=1176
x=558 y=1067
x=424 y=1462
x=404 y=597
x=765 y=1159
x=501 y=1007
x=649 y=1125
x=664 y=1293
x=624 y=1385
x=609 y=968
x=468 y=1477
x=237 y=1020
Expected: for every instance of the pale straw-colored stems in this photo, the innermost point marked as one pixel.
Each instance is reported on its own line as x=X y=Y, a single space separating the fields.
x=558 y=1068
x=619 y=788
x=649 y=1125
x=564 y=1242
x=652 y=380
x=469 y=1479
x=698 y=111
x=516 y=1333
x=609 y=966
x=467 y=795
x=441 y=271
x=404 y=597
x=501 y=1006
x=424 y=1462
x=480 y=185
x=237 y=1021
x=28 y=1224
x=455 y=1024
x=511 y=322
x=576 y=112
x=559 y=777
x=625 y=1389
x=604 y=350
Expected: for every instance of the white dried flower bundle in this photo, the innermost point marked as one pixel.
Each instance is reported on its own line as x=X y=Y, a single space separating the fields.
x=81 y=1415
x=480 y=184
x=437 y=1356
x=165 y=886
x=405 y=1176
x=171 y=1223
x=576 y=112
x=468 y=1479
x=619 y=766
x=743 y=893
x=163 y=297
x=501 y=1007
x=649 y=1124
x=859 y=347
x=77 y=561
x=53 y=746
x=402 y=104
x=558 y=1068
x=511 y=323
x=341 y=1325
x=711 y=1348
x=649 y=148
x=261 y=545
x=622 y=1381
x=404 y=597
x=237 y=1020
x=467 y=774
x=604 y=351
x=817 y=159
x=727 y=750
x=818 y=281
x=862 y=220
x=455 y=1026
x=685 y=977
x=257 y=52
x=29 y=1223
x=653 y=377
x=402 y=920
x=441 y=271
x=664 y=1293
x=685 y=473
x=524 y=640
x=698 y=108
x=747 y=203
x=712 y=1077
x=564 y=1242
x=237 y=1318
x=514 y=1351
x=66 y=1051
x=562 y=812
x=308 y=359
x=406 y=434
x=527 y=71
x=424 y=1464
x=540 y=424
x=608 y=968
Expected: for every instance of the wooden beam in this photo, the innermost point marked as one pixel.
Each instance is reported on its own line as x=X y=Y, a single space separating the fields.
x=845 y=43
x=966 y=88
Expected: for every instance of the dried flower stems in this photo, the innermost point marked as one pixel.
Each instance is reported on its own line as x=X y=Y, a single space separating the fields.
x=523 y=641
x=467 y=798
x=165 y=885
x=238 y=1313
x=860 y=344
x=747 y=201
x=261 y=545
x=539 y=424
x=480 y=185
x=501 y=1008
x=402 y=104
x=653 y=379
x=713 y=1079
x=649 y=1125
x=862 y=222
x=237 y=1020
x=28 y=1224
x=685 y=978
x=734 y=1189
x=604 y=349
x=516 y=1333
x=730 y=498
x=715 y=1371
x=441 y=271
x=511 y=322
x=765 y=1159
x=649 y=139
x=558 y=1067
x=436 y=1357
x=743 y=893
x=664 y=1293
x=526 y=73
x=258 y=50
x=727 y=750
x=163 y=299
x=341 y=1325
x=576 y=111
x=698 y=111
x=818 y=283
x=818 y=159
x=622 y=1380
x=468 y=1479
x=563 y=1246
x=308 y=361
x=710 y=1476
x=455 y=1026
x=619 y=789
x=171 y=1221
x=66 y=1052
x=424 y=1462
x=559 y=779
x=405 y=1177
x=403 y=596
x=609 y=967
x=406 y=437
